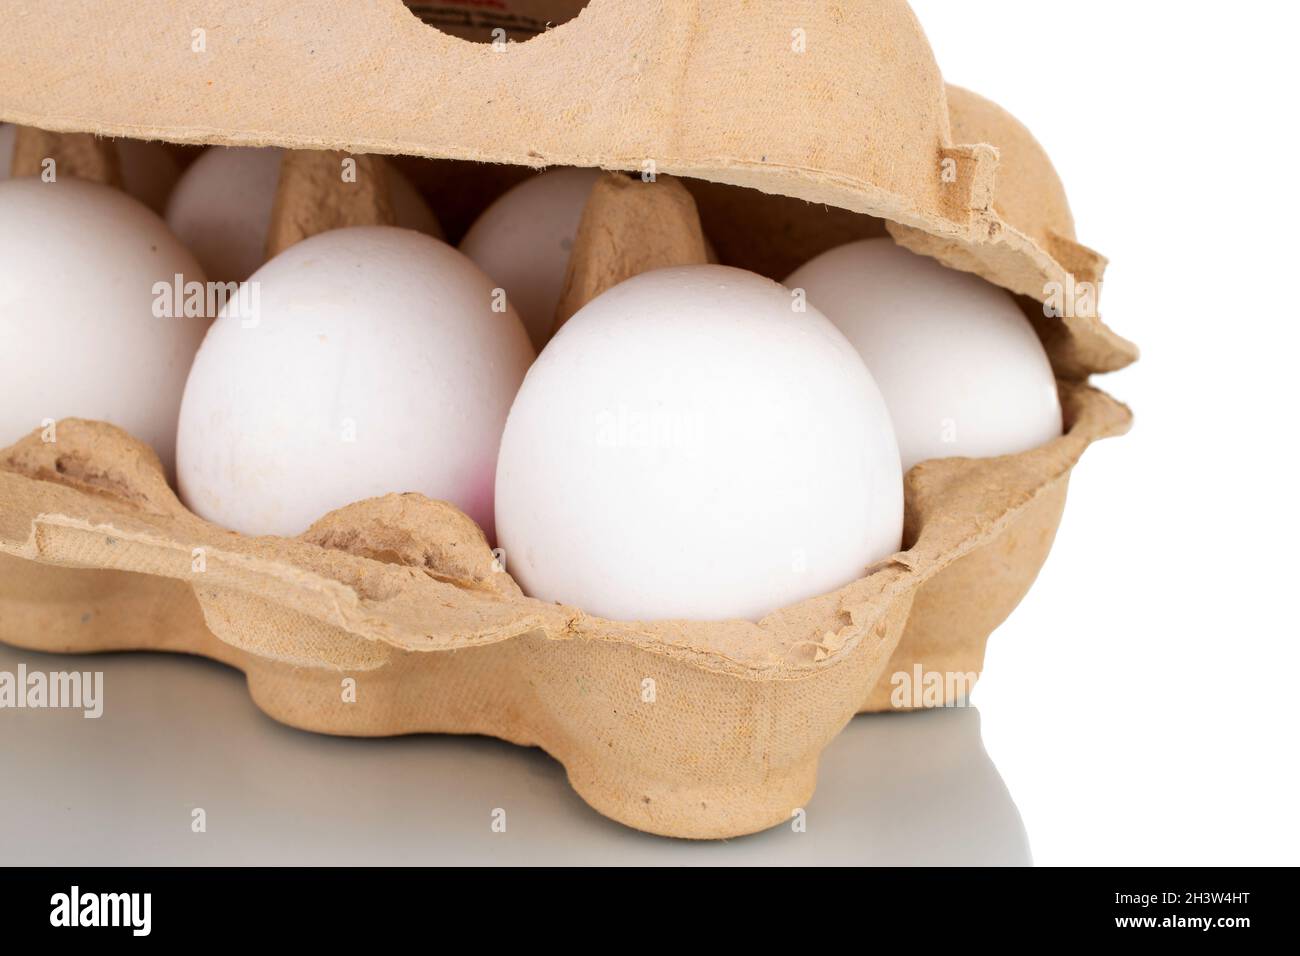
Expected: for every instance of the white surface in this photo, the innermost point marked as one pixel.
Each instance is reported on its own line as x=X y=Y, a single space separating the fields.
x=376 y=363
x=523 y=241
x=959 y=365
x=78 y=333
x=1140 y=702
x=689 y=446
x=180 y=734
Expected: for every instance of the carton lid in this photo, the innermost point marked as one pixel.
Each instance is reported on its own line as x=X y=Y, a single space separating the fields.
x=841 y=104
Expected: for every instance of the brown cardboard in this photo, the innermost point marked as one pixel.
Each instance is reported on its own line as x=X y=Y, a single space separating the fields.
x=697 y=729
x=78 y=155
x=629 y=227
x=314 y=196
x=770 y=234
x=605 y=88
x=385 y=591
x=955 y=612
x=1026 y=240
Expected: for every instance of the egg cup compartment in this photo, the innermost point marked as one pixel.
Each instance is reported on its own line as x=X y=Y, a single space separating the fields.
x=683 y=728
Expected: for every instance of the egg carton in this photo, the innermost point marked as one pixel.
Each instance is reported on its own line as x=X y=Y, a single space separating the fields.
x=392 y=615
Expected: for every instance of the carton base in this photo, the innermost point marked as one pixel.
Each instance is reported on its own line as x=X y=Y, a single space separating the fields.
x=686 y=729
x=956 y=611
x=711 y=758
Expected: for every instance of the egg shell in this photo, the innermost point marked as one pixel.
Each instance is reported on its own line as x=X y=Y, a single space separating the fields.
x=221 y=208
x=523 y=241
x=375 y=364
x=78 y=266
x=689 y=446
x=961 y=369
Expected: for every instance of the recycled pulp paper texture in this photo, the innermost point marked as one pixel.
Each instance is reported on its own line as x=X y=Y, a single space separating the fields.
x=96 y=553
x=435 y=539
x=837 y=104
x=312 y=197
x=629 y=227
x=79 y=155
x=1028 y=237
x=742 y=710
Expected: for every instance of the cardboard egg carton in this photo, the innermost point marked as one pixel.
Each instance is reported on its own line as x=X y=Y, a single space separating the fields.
x=392 y=615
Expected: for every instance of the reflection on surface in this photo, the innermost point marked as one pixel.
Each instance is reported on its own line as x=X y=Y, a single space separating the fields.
x=925 y=790
x=180 y=733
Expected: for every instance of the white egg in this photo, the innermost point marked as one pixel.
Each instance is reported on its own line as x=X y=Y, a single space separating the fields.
x=959 y=365
x=78 y=333
x=689 y=446
x=374 y=363
x=221 y=208
x=148 y=171
x=523 y=241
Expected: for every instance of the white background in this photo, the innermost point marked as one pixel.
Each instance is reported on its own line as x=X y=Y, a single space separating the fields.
x=1141 y=702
